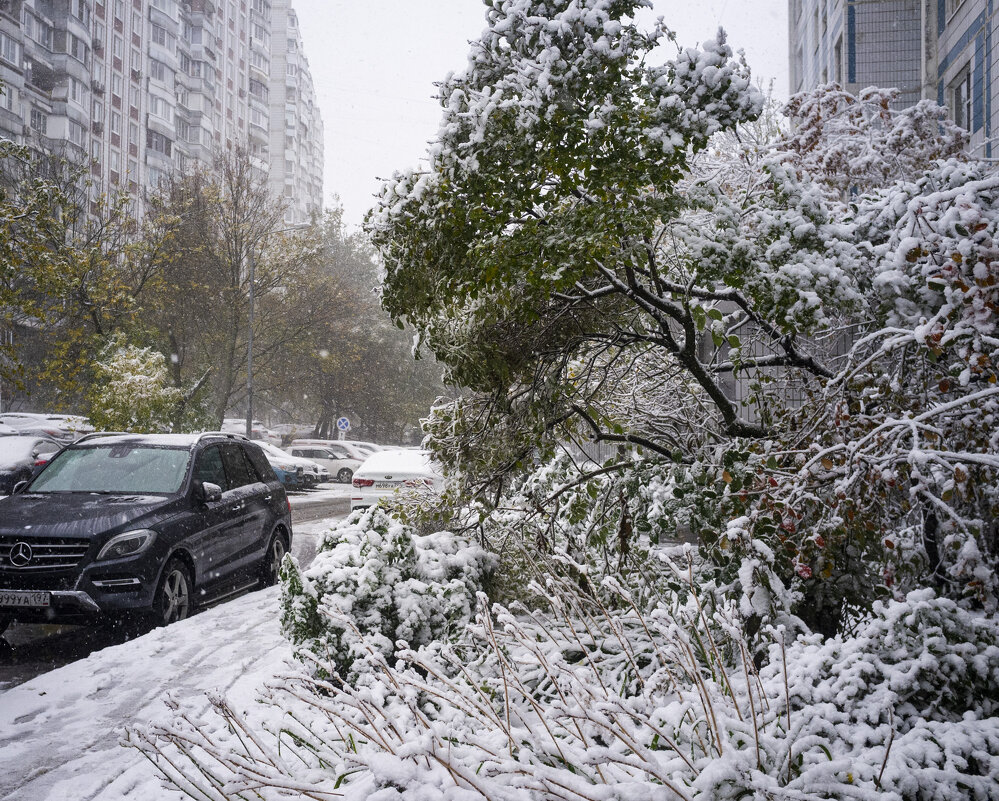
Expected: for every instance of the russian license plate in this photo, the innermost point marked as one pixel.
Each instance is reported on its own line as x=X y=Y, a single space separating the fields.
x=27 y=598
x=386 y=484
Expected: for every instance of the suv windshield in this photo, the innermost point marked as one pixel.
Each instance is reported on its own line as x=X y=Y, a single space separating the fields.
x=115 y=468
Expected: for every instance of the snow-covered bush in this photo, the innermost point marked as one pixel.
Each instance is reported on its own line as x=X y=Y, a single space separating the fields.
x=374 y=583
x=132 y=390
x=578 y=701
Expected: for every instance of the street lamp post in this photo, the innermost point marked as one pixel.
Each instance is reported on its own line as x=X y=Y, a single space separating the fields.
x=249 y=340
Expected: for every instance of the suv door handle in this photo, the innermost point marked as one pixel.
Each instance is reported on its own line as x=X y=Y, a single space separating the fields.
x=237 y=507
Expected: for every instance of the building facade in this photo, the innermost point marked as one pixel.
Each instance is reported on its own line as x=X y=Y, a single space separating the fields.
x=936 y=49
x=144 y=88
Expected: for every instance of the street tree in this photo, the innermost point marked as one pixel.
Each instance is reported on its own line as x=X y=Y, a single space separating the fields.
x=584 y=274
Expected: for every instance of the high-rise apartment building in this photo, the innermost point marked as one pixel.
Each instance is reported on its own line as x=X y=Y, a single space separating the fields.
x=147 y=87
x=936 y=49
x=296 y=153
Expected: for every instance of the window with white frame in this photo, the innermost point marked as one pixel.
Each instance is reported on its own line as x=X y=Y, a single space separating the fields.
x=10 y=50
x=962 y=106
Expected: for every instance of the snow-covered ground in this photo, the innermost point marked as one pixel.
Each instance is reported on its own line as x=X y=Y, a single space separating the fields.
x=60 y=732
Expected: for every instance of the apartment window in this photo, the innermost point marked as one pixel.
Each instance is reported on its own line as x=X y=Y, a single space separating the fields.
x=117 y=45
x=159 y=107
x=961 y=99
x=952 y=7
x=838 y=62
x=98 y=112
x=77 y=92
x=76 y=47
x=168 y=7
x=162 y=37
x=76 y=133
x=119 y=9
x=115 y=122
x=116 y=84
x=38 y=120
x=157 y=70
x=81 y=10
x=10 y=50
x=158 y=142
x=8 y=97
x=96 y=151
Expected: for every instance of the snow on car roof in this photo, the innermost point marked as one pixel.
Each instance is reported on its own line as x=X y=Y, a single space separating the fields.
x=156 y=440
x=409 y=460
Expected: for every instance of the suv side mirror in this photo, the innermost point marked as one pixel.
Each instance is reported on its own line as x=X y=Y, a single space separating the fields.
x=20 y=485
x=208 y=492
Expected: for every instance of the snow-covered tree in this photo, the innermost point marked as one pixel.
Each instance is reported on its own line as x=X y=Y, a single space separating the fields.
x=590 y=263
x=133 y=392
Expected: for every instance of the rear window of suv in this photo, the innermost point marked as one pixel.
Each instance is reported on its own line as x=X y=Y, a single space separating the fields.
x=115 y=468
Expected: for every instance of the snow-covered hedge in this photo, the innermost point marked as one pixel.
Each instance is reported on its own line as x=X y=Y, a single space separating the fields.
x=582 y=701
x=375 y=582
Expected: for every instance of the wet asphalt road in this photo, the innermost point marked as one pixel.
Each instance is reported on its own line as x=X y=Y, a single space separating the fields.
x=28 y=651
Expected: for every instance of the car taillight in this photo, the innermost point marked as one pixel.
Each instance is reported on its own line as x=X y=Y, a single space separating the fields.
x=360 y=483
x=288 y=501
x=41 y=462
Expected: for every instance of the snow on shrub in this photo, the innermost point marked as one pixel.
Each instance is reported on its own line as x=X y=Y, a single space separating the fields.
x=375 y=582
x=584 y=701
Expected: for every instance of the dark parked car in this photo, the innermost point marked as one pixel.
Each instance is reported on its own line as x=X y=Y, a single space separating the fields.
x=142 y=525
x=20 y=456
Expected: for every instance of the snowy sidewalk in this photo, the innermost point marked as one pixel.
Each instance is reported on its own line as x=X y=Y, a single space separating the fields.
x=59 y=732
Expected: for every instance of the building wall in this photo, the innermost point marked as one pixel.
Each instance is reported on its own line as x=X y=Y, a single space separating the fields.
x=936 y=49
x=144 y=88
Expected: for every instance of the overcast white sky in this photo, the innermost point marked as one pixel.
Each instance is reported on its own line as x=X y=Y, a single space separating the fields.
x=374 y=63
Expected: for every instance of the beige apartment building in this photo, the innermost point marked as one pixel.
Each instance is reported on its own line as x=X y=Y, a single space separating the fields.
x=144 y=88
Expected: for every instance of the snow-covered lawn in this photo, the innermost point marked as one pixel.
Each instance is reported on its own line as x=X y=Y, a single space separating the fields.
x=59 y=732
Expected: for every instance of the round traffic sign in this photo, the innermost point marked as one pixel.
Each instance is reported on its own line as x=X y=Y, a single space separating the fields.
x=343 y=424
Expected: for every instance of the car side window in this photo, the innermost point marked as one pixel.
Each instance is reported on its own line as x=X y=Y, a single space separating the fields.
x=209 y=468
x=259 y=462
x=239 y=470
x=338 y=452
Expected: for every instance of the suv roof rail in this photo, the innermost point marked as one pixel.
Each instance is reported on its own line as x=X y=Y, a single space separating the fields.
x=224 y=434
x=95 y=434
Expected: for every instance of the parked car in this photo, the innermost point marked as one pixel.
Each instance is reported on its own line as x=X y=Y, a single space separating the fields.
x=63 y=428
x=387 y=472
x=336 y=459
x=141 y=524
x=258 y=431
x=309 y=473
x=20 y=456
x=357 y=448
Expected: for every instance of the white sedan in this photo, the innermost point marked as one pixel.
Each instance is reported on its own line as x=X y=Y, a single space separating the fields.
x=386 y=472
x=337 y=460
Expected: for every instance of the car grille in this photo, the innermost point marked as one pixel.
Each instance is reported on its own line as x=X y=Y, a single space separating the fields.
x=47 y=553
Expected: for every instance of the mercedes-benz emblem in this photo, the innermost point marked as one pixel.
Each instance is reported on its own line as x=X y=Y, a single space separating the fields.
x=20 y=554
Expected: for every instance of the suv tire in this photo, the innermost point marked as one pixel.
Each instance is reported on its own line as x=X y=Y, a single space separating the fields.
x=345 y=476
x=270 y=566
x=174 y=595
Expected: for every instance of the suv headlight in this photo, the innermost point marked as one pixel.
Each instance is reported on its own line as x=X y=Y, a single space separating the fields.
x=128 y=544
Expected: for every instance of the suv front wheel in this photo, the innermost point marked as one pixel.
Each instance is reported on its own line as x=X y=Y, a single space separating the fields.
x=172 y=601
x=270 y=567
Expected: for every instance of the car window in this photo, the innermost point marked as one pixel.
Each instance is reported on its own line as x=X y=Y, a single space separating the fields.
x=260 y=463
x=338 y=452
x=209 y=467
x=119 y=468
x=239 y=470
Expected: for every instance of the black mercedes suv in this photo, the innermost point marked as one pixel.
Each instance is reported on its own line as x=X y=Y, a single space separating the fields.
x=130 y=525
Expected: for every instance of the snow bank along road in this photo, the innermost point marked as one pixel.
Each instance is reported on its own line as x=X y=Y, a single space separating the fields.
x=59 y=732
